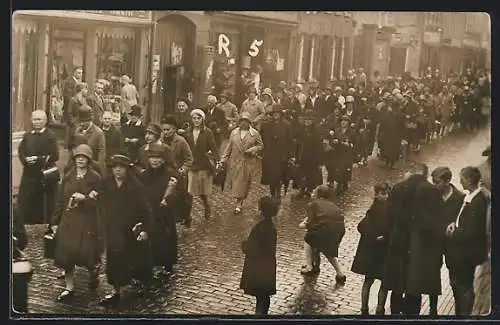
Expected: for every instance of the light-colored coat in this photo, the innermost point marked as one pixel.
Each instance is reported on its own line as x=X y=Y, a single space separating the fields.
x=240 y=164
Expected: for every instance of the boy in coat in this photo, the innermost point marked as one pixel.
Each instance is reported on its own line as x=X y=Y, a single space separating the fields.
x=259 y=271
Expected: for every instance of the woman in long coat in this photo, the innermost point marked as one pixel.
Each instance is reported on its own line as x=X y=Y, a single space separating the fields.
x=75 y=221
x=128 y=220
x=244 y=144
x=259 y=270
x=160 y=181
x=277 y=139
x=205 y=154
x=36 y=198
x=390 y=136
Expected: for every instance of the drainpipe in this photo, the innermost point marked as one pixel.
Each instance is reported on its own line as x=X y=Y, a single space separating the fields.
x=152 y=37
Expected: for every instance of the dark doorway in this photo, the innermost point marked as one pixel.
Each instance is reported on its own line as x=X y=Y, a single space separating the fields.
x=172 y=87
x=398 y=60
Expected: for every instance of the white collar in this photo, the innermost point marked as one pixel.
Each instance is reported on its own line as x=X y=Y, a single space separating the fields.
x=41 y=131
x=468 y=198
x=129 y=122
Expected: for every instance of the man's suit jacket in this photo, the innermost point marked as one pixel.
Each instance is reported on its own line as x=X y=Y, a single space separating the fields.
x=96 y=103
x=468 y=243
x=215 y=120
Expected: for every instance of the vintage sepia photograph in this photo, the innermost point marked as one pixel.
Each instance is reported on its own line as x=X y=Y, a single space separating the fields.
x=273 y=163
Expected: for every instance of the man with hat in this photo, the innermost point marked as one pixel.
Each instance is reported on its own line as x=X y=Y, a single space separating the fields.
x=314 y=102
x=309 y=157
x=183 y=160
x=134 y=132
x=343 y=153
x=88 y=133
x=128 y=221
x=278 y=151
x=254 y=107
x=153 y=136
x=215 y=119
x=230 y=111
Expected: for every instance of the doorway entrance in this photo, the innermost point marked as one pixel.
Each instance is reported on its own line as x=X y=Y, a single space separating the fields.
x=172 y=87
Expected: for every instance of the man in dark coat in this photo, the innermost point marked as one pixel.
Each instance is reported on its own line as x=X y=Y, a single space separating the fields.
x=88 y=133
x=414 y=257
x=452 y=201
x=309 y=157
x=128 y=220
x=115 y=142
x=70 y=91
x=277 y=153
x=96 y=102
x=468 y=246
x=134 y=132
x=390 y=136
x=216 y=120
x=37 y=151
x=259 y=270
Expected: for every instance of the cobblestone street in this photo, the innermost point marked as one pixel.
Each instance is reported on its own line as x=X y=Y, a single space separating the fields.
x=206 y=278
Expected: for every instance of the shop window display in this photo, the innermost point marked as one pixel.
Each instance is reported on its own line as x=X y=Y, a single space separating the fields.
x=115 y=59
x=66 y=55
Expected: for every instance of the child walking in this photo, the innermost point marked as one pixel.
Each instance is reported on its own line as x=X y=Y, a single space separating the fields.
x=372 y=248
x=259 y=270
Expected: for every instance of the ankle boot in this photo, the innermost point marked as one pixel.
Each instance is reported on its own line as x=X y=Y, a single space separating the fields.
x=364 y=312
x=380 y=311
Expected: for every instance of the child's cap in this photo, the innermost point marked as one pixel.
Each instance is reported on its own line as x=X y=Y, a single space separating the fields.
x=268 y=206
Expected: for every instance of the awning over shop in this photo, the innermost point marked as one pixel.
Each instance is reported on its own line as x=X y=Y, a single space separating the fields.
x=124 y=17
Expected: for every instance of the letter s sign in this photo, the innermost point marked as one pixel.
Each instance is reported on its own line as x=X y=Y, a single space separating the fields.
x=254 y=48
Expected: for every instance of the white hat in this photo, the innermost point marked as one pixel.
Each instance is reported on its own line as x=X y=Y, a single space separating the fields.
x=338 y=88
x=396 y=91
x=125 y=78
x=349 y=99
x=212 y=99
x=198 y=112
x=299 y=86
x=351 y=90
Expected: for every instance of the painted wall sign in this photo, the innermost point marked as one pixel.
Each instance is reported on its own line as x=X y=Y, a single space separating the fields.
x=141 y=14
x=223 y=43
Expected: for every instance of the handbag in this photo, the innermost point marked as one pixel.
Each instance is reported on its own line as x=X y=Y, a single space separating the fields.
x=50 y=175
x=49 y=244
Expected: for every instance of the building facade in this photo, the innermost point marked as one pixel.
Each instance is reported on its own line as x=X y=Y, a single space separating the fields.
x=323 y=47
x=48 y=44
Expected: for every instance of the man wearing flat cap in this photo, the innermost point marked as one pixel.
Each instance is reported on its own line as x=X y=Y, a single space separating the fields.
x=133 y=131
x=128 y=221
x=278 y=151
x=215 y=119
x=230 y=111
x=88 y=133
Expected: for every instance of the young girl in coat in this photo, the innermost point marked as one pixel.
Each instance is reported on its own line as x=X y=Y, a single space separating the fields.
x=259 y=271
x=372 y=248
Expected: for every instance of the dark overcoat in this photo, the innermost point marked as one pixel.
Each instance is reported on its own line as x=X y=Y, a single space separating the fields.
x=259 y=269
x=124 y=207
x=32 y=190
x=114 y=141
x=390 y=136
x=163 y=234
x=134 y=131
x=78 y=239
x=342 y=156
x=371 y=253
x=310 y=156
x=414 y=256
x=278 y=147
x=325 y=227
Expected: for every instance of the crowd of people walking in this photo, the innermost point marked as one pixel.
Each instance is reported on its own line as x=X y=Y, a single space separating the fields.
x=127 y=186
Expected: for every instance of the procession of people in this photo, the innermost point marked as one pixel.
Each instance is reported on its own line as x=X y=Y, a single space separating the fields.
x=127 y=186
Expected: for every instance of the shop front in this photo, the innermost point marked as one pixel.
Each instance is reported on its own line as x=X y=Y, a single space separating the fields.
x=105 y=44
x=245 y=47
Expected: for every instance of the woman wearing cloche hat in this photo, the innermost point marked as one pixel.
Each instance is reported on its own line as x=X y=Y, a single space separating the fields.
x=244 y=144
x=161 y=182
x=127 y=222
x=75 y=221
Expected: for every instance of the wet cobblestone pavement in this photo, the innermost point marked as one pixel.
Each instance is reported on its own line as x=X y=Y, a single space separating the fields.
x=206 y=278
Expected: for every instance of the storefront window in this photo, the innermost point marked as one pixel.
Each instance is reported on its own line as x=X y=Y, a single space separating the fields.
x=23 y=75
x=306 y=58
x=115 y=57
x=275 y=55
x=224 y=71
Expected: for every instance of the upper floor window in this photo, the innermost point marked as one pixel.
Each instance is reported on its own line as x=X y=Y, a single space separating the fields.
x=433 y=18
